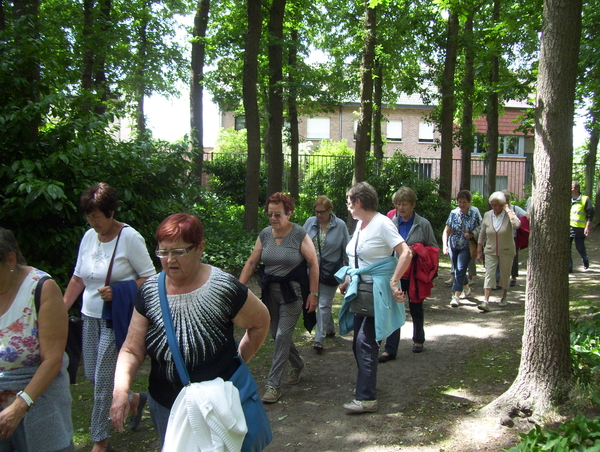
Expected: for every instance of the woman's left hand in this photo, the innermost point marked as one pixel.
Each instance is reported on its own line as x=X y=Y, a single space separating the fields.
x=311 y=303
x=106 y=293
x=399 y=296
x=11 y=417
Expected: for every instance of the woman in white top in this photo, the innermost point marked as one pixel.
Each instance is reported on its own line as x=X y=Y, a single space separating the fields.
x=370 y=252
x=131 y=262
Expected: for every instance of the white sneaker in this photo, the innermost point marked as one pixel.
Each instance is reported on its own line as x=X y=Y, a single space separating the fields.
x=465 y=293
x=455 y=302
x=361 y=406
x=449 y=282
x=503 y=302
x=485 y=307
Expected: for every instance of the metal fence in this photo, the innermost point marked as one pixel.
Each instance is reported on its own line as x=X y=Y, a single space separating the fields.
x=514 y=175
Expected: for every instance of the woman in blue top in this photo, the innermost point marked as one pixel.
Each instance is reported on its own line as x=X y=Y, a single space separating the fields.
x=330 y=236
x=462 y=225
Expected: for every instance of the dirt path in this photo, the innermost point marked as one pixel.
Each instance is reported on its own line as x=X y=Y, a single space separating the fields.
x=424 y=399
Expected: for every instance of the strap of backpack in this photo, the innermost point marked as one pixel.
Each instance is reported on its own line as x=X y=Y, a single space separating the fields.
x=38 y=292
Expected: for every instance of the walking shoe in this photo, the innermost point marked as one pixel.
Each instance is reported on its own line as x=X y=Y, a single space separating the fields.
x=455 y=302
x=134 y=421
x=294 y=375
x=485 y=307
x=361 y=406
x=586 y=265
x=503 y=302
x=449 y=281
x=417 y=348
x=330 y=334
x=383 y=358
x=465 y=293
x=318 y=347
x=497 y=287
x=271 y=395
x=513 y=283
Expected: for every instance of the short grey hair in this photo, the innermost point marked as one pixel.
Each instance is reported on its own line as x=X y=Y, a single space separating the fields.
x=498 y=196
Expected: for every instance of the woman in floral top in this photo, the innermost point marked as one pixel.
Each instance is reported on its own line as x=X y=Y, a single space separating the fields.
x=35 y=402
x=462 y=225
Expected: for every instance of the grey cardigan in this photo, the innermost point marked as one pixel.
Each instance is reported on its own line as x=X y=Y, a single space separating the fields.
x=421 y=232
x=336 y=238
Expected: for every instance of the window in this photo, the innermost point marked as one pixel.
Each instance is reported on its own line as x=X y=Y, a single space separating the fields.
x=425 y=132
x=240 y=122
x=394 y=131
x=317 y=129
x=477 y=183
x=423 y=170
x=507 y=145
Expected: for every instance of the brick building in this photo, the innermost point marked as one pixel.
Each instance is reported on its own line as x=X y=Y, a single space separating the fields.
x=407 y=130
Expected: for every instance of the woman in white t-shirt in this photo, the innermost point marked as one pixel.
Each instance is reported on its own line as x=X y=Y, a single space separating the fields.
x=372 y=268
x=131 y=264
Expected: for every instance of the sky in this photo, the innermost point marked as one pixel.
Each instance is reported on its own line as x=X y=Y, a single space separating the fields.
x=169 y=119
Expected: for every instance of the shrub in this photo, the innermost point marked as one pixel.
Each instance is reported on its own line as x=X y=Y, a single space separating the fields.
x=585 y=347
x=578 y=434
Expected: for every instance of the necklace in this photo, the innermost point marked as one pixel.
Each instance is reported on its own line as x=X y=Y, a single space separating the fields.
x=279 y=238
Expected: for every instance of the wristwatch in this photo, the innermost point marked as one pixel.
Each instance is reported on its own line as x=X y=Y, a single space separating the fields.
x=28 y=400
x=316 y=294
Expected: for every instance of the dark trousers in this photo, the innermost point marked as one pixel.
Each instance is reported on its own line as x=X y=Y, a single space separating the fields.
x=417 y=312
x=365 y=349
x=580 y=246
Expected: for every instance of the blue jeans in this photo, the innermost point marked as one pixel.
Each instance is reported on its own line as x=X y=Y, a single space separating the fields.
x=324 y=315
x=365 y=349
x=460 y=262
x=580 y=246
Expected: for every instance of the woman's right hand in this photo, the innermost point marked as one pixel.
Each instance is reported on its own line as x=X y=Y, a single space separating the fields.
x=119 y=410
x=445 y=250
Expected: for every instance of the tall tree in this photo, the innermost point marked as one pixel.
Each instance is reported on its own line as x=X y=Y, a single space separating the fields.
x=197 y=83
x=545 y=370
x=493 y=107
x=447 y=108
x=250 y=80
x=293 y=112
x=274 y=145
x=467 y=138
x=365 y=120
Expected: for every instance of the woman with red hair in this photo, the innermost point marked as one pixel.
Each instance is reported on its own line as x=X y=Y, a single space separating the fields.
x=287 y=252
x=205 y=303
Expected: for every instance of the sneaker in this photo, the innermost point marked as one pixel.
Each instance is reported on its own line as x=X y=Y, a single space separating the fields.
x=465 y=293
x=361 y=406
x=330 y=334
x=271 y=395
x=586 y=265
x=318 y=347
x=455 y=302
x=449 y=281
x=485 y=307
x=294 y=376
x=503 y=302
x=513 y=283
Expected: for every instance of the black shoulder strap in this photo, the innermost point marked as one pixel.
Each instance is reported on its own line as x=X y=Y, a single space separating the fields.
x=38 y=292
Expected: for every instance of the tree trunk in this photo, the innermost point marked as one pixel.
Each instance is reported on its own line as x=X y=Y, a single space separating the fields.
x=377 y=117
x=447 y=119
x=275 y=154
x=142 y=55
x=102 y=40
x=88 y=53
x=594 y=138
x=467 y=141
x=250 y=80
x=293 y=115
x=545 y=371
x=197 y=84
x=491 y=157
x=363 y=130
x=590 y=161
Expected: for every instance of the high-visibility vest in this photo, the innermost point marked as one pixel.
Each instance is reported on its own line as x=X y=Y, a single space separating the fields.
x=578 y=215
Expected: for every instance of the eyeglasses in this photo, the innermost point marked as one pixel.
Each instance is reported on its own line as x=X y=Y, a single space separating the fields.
x=320 y=212
x=175 y=252
x=276 y=215
x=349 y=203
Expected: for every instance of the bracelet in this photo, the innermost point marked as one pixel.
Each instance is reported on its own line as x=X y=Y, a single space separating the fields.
x=28 y=400
x=316 y=294
x=395 y=281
